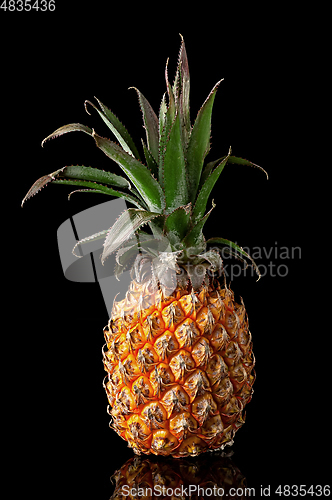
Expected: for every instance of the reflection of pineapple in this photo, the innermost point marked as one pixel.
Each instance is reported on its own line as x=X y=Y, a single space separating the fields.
x=178 y=349
x=143 y=478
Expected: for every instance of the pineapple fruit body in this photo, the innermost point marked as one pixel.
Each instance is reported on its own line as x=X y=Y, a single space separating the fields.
x=179 y=368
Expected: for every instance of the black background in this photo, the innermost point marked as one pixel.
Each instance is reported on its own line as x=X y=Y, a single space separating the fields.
x=51 y=63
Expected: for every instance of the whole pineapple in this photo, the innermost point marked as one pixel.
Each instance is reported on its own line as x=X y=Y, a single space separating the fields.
x=178 y=352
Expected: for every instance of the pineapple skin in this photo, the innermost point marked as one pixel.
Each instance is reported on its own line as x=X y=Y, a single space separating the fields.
x=179 y=368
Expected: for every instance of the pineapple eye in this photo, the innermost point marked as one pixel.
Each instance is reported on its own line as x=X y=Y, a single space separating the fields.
x=172 y=315
x=192 y=446
x=196 y=384
x=165 y=345
x=232 y=323
x=126 y=400
x=142 y=390
x=222 y=390
x=175 y=400
x=212 y=427
x=219 y=337
x=181 y=364
x=153 y=325
x=187 y=333
x=154 y=415
x=181 y=424
x=135 y=337
x=163 y=442
x=146 y=358
x=216 y=369
x=138 y=429
x=203 y=407
x=231 y=410
x=201 y=352
x=161 y=376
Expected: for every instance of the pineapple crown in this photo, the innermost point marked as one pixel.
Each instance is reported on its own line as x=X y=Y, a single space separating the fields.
x=170 y=190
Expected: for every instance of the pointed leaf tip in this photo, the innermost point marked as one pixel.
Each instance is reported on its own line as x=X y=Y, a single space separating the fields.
x=39 y=184
x=242 y=161
x=151 y=124
x=71 y=127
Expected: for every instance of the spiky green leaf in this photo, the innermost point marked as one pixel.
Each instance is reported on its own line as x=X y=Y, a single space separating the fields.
x=162 y=115
x=138 y=173
x=150 y=123
x=199 y=143
x=149 y=160
x=40 y=183
x=71 y=127
x=208 y=169
x=171 y=97
x=100 y=189
x=174 y=170
x=117 y=128
x=195 y=237
x=95 y=175
x=204 y=193
x=129 y=221
x=177 y=223
x=242 y=161
x=89 y=239
x=181 y=90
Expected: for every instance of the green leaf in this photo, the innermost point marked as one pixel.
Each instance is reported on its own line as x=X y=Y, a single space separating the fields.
x=176 y=224
x=162 y=115
x=94 y=174
x=242 y=161
x=118 y=129
x=100 y=189
x=234 y=250
x=89 y=239
x=164 y=135
x=166 y=121
x=39 y=184
x=138 y=173
x=203 y=195
x=71 y=127
x=171 y=97
x=150 y=123
x=199 y=143
x=129 y=221
x=174 y=170
x=195 y=238
x=181 y=91
x=150 y=161
x=208 y=169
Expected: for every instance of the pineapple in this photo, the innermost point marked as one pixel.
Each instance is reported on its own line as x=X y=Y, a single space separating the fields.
x=178 y=350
